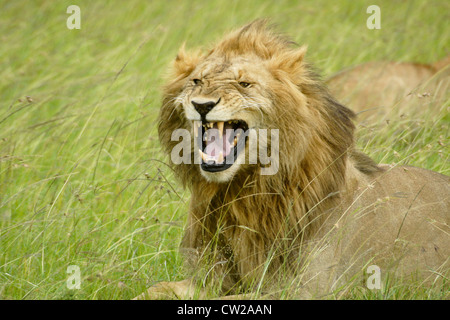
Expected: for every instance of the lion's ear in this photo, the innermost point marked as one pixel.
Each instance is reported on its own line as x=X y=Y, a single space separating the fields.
x=185 y=62
x=290 y=62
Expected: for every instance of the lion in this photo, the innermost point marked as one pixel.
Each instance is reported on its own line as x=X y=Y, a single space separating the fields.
x=382 y=90
x=323 y=216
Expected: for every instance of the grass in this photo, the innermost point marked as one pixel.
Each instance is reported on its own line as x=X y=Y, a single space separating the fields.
x=82 y=178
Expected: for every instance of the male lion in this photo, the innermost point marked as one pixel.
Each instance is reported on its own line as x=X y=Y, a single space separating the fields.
x=380 y=89
x=326 y=213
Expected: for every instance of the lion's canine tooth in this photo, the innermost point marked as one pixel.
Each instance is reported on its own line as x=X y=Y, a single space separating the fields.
x=220 y=128
x=202 y=155
x=220 y=158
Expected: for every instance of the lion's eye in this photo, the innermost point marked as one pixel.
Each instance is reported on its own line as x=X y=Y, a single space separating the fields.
x=244 y=84
x=197 y=81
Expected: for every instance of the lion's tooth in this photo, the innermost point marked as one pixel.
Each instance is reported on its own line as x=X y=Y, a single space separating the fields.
x=202 y=155
x=220 y=128
x=220 y=158
x=235 y=141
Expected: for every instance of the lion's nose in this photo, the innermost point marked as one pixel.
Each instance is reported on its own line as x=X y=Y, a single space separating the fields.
x=204 y=107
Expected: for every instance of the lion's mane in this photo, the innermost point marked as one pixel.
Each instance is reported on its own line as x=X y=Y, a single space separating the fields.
x=258 y=218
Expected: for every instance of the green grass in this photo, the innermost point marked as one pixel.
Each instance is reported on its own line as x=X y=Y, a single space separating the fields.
x=82 y=178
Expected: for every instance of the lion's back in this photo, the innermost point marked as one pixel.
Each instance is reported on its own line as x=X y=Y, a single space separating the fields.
x=403 y=215
x=375 y=89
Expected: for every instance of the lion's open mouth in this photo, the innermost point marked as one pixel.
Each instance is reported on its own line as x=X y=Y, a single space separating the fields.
x=221 y=142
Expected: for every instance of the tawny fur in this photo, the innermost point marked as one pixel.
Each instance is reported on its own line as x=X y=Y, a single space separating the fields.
x=328 y=211
x=386 y=90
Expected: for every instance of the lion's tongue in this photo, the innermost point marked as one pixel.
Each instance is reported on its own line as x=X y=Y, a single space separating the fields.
x=215 y=145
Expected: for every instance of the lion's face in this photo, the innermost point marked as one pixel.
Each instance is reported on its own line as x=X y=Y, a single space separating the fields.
x=251 y=103
x=225 y=103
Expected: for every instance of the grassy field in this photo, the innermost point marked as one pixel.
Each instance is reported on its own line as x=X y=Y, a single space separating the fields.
x=82 y=178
